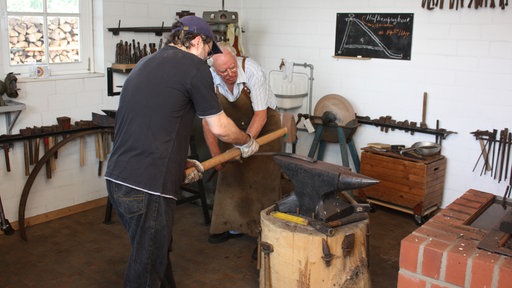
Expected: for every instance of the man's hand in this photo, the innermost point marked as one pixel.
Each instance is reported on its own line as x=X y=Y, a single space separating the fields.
x=249 y=148
x=196 y=174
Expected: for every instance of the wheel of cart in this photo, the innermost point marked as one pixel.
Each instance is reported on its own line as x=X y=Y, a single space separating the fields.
x=424 y=216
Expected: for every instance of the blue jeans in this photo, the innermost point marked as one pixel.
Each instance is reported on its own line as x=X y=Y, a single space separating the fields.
x=148 y=219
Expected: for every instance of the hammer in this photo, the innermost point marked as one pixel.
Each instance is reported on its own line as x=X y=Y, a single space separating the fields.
x=235 y=152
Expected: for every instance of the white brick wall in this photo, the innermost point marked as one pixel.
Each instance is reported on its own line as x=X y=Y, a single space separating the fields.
x=463 y=59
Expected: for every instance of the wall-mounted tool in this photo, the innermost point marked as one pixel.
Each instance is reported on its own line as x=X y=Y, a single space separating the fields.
x=5 y=226
x=225 y=27
x=9 y=87
x=406 y=126
x=497 y=159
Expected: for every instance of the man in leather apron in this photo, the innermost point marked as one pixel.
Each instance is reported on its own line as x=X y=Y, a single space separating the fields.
x=243 y=189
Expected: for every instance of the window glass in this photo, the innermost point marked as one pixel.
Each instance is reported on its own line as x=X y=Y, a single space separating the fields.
x=26 y=41
x=64 y=40
x=63 y=6
x=25 y=5
x=47 y=36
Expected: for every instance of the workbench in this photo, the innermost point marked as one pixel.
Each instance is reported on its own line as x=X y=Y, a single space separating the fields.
x=409 y=184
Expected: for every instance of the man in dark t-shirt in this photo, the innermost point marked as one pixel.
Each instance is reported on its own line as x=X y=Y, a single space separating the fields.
x=154 y=122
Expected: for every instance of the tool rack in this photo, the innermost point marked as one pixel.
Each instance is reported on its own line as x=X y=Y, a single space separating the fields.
x=68 y=136
x=386 y=123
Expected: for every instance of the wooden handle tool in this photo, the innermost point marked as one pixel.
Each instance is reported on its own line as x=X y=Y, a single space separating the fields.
x=235 y=152
x=82 y=154
x=6 y=154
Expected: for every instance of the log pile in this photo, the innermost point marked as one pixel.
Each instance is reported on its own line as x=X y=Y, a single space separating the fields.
x=27 y=42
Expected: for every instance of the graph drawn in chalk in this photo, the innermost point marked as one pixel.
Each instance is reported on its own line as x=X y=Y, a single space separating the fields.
x=378 y=39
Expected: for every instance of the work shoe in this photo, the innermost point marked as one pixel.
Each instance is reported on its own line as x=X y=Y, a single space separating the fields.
x=254 y=254
x=222 y=237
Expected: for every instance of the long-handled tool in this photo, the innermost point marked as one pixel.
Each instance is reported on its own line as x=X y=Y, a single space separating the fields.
x=235 y=152
x=509 y=144
x=5 y=226
x=504 y=133
x=6 y=154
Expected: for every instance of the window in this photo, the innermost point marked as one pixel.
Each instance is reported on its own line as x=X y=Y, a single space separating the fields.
x=57 y=33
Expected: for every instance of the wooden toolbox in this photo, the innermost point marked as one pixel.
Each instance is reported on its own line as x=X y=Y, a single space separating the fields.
x=407 y=184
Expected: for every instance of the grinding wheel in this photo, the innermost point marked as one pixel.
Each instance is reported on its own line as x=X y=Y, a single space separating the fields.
x=345 y=116
x=338 y=105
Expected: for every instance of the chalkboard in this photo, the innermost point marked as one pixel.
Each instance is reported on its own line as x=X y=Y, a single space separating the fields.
x=374 y=35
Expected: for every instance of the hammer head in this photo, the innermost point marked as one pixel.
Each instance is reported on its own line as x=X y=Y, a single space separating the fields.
x=313 y=179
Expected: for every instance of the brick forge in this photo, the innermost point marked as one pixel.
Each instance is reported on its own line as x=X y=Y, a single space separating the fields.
x=443 y=252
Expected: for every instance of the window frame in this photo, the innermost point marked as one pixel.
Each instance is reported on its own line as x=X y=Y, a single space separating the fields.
x=86 y=63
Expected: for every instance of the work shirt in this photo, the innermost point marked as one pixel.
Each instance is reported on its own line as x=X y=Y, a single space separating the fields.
x=254 y=77
x=154 y=121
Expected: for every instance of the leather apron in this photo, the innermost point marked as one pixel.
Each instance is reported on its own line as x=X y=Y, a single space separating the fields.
x=244 y=189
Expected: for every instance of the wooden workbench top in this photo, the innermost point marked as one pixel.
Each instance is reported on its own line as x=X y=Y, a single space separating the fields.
x=409 y=156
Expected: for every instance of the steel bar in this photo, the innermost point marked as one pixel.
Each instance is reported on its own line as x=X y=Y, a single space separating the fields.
x=509 y=144
x=493 y=170
x=502 y=158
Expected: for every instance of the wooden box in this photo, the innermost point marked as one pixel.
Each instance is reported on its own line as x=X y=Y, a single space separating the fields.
x=407 y=184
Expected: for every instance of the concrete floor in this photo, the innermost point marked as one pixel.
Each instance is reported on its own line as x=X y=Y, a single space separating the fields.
x=80 y=251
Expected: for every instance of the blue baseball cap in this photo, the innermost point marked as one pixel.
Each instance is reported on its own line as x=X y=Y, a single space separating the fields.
x=198 y=25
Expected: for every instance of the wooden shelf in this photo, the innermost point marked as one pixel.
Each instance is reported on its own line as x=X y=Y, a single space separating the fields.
x=122 y=68
x=12 y=111
x=154 y=29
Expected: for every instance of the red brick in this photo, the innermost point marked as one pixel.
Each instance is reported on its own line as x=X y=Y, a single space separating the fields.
x=472 y=202
x=457 y=262
x=407 y=281
x=459 y=231
x=446 y=219
x=440 y=232
x=477 y=193
x=482 y=198
x=409 y=250
x=483 y=268
x=438 y=286
x=433 y=257
x=463 y=208
x=505 y=273
x=463 y=215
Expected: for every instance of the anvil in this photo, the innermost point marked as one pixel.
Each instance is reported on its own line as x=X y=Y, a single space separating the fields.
x=316 y=182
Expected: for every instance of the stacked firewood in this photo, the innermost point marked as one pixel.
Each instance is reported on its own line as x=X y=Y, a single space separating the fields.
x=27 y=42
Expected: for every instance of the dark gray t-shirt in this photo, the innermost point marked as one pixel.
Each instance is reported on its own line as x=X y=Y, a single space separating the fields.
x=154 y=121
